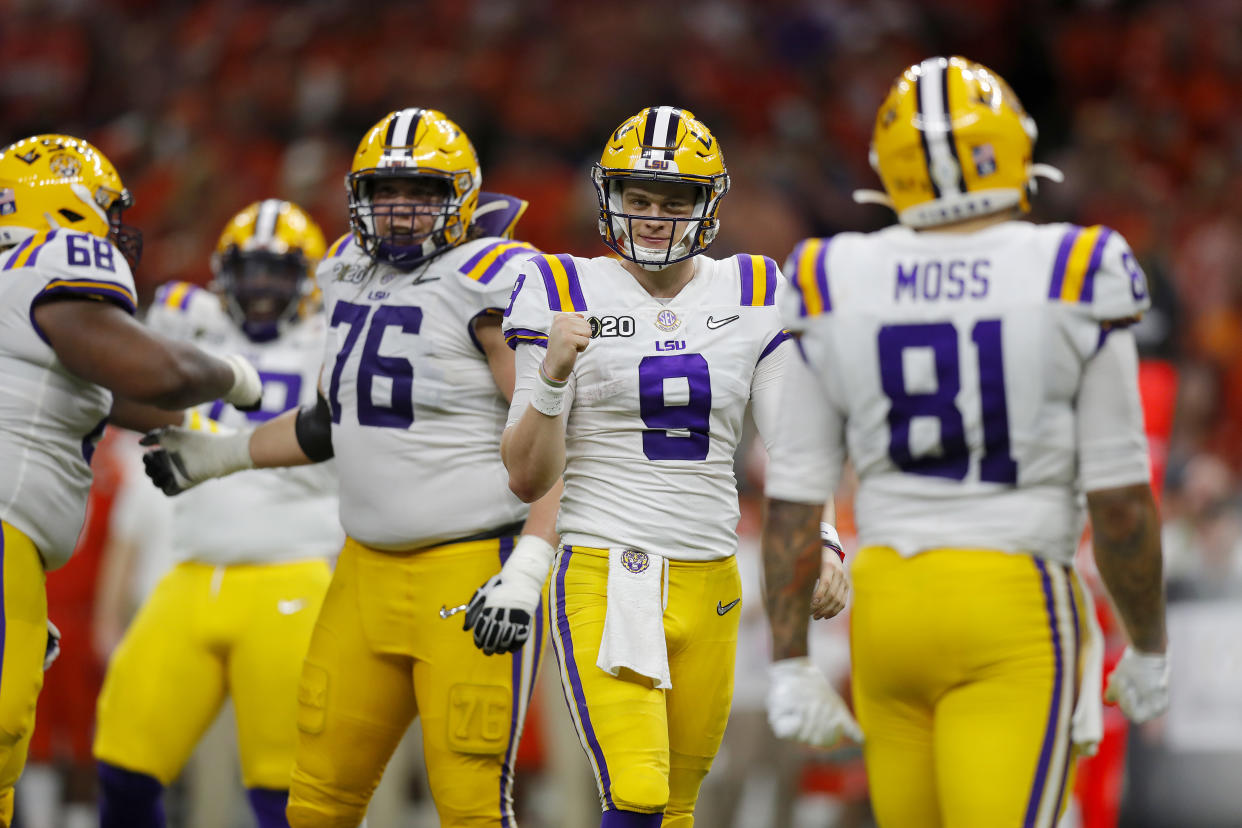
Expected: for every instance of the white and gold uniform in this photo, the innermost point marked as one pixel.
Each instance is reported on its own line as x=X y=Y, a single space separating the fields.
x=655 y=407
x=234 y=617
x=980 y=383
x=49 y=423
x=425 y=504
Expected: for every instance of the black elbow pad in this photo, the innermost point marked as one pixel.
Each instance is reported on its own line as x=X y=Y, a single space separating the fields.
x=313 y=428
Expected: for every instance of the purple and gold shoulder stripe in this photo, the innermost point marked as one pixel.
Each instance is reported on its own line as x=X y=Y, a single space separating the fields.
x=91 y=288
x=176 y=295
x=338 y=246
x=487 y=262
x=27 y=253
x=560 y=277
x=758 y=280
x=810 y=276
x=1078 y=259
x=525 y=336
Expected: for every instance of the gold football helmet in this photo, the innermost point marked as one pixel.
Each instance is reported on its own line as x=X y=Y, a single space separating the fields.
x=264 y=266
x=661 y=143
x=420 y=144
x=952 y=142
x=49 y=181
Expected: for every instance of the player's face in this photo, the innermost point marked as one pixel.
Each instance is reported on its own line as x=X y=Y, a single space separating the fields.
x=266 y=284
x=406 y=208
x=657 y=201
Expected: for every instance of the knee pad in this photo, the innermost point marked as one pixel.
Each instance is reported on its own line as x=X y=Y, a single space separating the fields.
x=315 y=806
x=128 y=799
x=639 y=789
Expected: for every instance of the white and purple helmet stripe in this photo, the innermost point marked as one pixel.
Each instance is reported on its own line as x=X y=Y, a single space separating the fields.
x=660 y=135
x=400 y=136
x=936 y=128
x=265 y=222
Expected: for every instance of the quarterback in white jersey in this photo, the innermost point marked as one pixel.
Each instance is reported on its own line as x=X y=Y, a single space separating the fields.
x=633 y=378
x=978 y=372
x=71 y=358
x=414 y=390
x=233 y=619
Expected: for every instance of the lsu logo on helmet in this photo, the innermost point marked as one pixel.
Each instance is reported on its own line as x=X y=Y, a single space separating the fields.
x=421 y=144
x=264 y=265
x=49 y=181
x=953 y=142
x=661 y=144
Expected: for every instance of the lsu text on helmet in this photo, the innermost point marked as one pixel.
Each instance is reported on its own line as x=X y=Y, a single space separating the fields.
x=952 y=142
x=264 y=266
x=50 y=181
x=423 y=145
x=661 y=144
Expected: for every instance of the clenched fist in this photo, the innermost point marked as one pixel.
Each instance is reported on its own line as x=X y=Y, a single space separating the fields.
x=569 y=336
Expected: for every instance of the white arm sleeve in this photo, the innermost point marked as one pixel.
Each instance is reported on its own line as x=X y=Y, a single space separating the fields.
x=807 y=449
x=766 y=389
x=1112 y=444
x=526 y=373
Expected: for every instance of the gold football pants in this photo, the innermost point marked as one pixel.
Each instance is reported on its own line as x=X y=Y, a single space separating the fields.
x=649 y=749
x=23 y=641
x=206 y=633
x=965 y=675
x=380 y=655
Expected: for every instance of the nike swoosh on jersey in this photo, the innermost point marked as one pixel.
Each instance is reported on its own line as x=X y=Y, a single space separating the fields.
x=713 y=323
x=291 y=606
x=721 y=609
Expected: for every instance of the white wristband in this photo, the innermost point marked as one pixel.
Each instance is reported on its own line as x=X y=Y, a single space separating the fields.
x=549 y=396
x=829 y=537
x=247 y=387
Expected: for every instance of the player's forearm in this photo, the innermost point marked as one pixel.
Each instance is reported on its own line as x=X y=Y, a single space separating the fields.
x=137 y=416
x=275 y=443
x=541 y=521
x=791 y=557
x=1126 y=533
x=533 y=451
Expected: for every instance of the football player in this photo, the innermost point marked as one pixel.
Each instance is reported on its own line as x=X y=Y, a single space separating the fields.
x=234 y=617
x=634 y=373
x=70 y=353
x=414 y=390
x=978 y=371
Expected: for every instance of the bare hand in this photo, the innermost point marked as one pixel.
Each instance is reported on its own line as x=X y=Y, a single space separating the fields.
x=569 y=336
x=832 y=589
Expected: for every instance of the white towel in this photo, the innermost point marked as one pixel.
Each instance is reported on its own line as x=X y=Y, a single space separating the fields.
x=634 y=620
x=1087 y=725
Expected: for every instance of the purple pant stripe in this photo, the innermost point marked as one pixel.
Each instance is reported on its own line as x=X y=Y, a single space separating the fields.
x=2 y=604
x=571 y=670
x=1050 y=730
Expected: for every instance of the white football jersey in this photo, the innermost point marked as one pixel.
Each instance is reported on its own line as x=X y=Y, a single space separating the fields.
x=971 y=378
x=657 y=400
x=49 y=419
x=416 y=414
x=259 y=515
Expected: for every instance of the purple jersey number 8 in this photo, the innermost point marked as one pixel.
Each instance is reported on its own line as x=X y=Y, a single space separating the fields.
x=693 y=417
x=953 y=461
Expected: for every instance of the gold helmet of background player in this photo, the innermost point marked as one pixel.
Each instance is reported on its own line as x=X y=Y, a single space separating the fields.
x=264 y=265
x=952 y=142
x=50 y=181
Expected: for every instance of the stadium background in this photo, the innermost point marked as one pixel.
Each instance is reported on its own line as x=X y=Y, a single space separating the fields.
x=207 y=106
